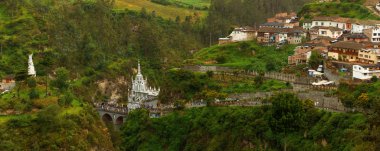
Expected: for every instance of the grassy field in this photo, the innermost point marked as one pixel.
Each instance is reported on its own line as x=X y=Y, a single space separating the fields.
x=168 y=12
x=6 y=118
x=249 y=86
x=349 y=10
x=195 y=3
x=248 y=55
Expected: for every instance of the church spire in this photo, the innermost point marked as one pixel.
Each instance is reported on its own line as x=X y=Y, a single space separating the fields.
x=138 y=68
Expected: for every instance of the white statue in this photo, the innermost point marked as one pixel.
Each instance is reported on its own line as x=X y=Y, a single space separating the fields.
x=31 y=70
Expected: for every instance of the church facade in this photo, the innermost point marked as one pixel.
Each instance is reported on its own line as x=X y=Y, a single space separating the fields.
x=140 y=94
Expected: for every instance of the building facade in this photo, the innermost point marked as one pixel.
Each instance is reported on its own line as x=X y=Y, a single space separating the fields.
x=239 y=34
x=140 y=94
x=345 y=51
x=373 y=34
x=365 y=72
x=369 y=56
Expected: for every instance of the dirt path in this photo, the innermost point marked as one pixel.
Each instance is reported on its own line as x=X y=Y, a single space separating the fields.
x=374 y=11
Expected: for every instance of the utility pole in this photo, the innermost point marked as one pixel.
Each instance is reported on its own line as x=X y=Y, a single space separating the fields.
x=210 y=39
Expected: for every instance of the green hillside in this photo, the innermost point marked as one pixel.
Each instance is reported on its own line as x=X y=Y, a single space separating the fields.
x=349 y=10
x=165 y=11
x=246 y=55
x=75 y=45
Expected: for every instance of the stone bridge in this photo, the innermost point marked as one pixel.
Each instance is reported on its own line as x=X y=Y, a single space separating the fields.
x=115 y=114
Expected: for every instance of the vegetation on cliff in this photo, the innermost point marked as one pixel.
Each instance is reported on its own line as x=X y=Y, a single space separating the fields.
x=290 y=124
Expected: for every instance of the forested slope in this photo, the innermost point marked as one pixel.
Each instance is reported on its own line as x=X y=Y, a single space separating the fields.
x=75 y=45
x=289 y=124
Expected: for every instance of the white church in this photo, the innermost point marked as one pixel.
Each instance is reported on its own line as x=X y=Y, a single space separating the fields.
x=140 y=94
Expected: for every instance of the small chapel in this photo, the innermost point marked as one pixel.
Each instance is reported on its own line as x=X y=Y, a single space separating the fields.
x=140 y=94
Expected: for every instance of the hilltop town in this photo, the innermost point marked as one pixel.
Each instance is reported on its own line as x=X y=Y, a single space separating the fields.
x=347 y=45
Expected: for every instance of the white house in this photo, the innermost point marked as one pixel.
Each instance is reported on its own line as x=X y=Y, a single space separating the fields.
x=307 y=24
x=373 y=34
x=332 y=32
x=359 y=28
x=348 y=24
x=365 y=72
x=239 y=34
x=283 y=36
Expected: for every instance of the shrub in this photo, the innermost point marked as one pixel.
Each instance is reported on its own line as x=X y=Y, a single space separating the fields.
x=221 y=59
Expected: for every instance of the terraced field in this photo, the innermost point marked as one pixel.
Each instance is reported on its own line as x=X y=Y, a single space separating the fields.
x=195 y=3
x=164 y=11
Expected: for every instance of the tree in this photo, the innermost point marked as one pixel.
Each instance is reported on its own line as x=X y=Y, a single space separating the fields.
x=315 y=60
x=61 y=80
x=32 y=82
x=33 y=94
x=259 y=80
x=21 y=76
x=137 y=123
x=363 y=101
x=66 y=99
x=221 y=59
x=374 y=79
x=287 y=112
x=210 y=74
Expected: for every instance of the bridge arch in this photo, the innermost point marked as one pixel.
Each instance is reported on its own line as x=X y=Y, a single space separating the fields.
x=107 y=118
x=119 y=120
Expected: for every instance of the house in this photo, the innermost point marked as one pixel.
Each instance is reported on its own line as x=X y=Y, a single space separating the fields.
x=369 y=56
x=280 y=35
x=307 y=24
x=301 y=55
x=239 y=34
x=355 y=37
x=337 y=22
x=322 y=41
x=346 y=51
x=289 y=20
x=296 y=36
x=268 y=34
x=284 y=17
x=7 y=83
x=273 y=25
x=332 y=32
x=365 y=72
x=373 y=34
x=346 y=24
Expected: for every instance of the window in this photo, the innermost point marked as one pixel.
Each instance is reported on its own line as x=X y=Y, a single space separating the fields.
x=322 y=23
x=323 y=32
x=316 y=23
x=374 y=34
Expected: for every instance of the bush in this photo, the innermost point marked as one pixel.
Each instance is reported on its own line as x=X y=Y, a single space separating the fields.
x=32 y=83
x=33 y=94
x=66 y=99
x=42 y=103
x=221 y=59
